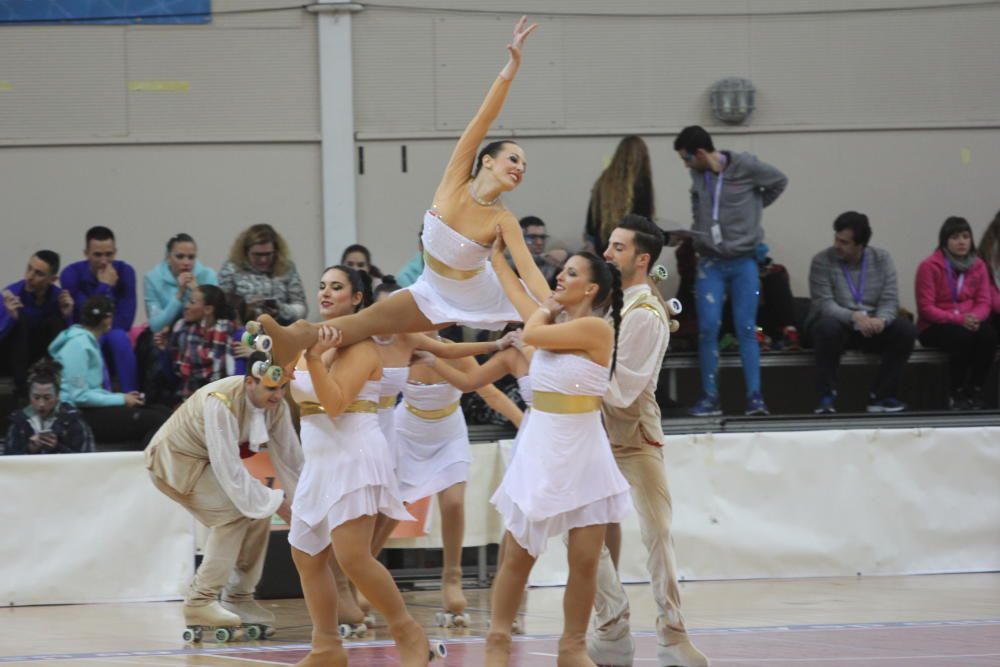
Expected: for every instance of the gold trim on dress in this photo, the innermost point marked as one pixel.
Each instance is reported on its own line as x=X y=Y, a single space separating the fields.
x=432 y=415
x=310 y=408
x=226 y=399
x=442 y=269
x=564 y=404
x=386 y=402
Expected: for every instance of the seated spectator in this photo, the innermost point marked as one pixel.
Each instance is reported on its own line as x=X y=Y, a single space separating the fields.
x=989 y=252
x=114 y=417
x=260 y=270
x=169 y=284
x=953 y=311
x=855 y=302
x=408 y=275
x=46 y=425
x=101 y=274
x=359 y=258
x=550 y=262
x=35 y=310
x=200 y=347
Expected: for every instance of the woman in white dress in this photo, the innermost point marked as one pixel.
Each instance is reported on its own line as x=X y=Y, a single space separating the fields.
x=458 y=284
x=347 y=479
x=564 y=477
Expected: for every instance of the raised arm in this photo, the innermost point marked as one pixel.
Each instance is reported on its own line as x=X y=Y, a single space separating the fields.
x=459 y=167
x=337 y=387
x=512 y=286
x=494 y=398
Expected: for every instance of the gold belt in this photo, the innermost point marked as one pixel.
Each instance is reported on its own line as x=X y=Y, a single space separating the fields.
x=431 y=415
x=564 y=404
x=386 y=402
x=442 y=269
x=310 y=408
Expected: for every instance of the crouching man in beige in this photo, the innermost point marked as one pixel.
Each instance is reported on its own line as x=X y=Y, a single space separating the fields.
x=196 y=460
x=632 y=418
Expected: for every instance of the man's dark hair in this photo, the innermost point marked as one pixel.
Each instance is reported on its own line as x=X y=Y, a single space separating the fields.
x=531 y=221
x=648 y=237
x=98 y=233
x=51 y=258
x=692 y=138
x=857 y=223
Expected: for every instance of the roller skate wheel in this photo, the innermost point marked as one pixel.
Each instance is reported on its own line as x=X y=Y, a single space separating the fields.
x=223 y=635
x=674 y=326
x=188 y=636
x=263 y=343
x=369 y=620
x=515 y=628
x=267 y=631
x=253 y=327
x=460 y=620
x=249 y=339
x=438 y=650
x=674 y=307
x=253 y=632
x=345 y=630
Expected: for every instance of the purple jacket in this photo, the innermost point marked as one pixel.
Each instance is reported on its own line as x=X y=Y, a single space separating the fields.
x=81 y=284
x=33 y=310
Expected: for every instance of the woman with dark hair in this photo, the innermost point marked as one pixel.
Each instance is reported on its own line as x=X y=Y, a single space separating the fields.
x=953 y=311
x=47 y=425
x=564 y=477
x=359 y=258
x=261 y=271
x=625 y=186
x=457 y=284
x=169 y=284
x=114 y=417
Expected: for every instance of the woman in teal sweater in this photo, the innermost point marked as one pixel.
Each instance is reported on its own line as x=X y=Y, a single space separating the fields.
x=169 y=284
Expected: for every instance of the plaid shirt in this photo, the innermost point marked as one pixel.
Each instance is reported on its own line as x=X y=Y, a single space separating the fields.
x=201 y=354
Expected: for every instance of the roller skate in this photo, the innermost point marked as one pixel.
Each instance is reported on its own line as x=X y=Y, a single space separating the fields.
x=611 y=652
x=573 y=652
x=353 y=624
x=409 y=637
x=327 y=651
x=286 y=342
x=210 y=621
x=453 y=601
x=258 y=622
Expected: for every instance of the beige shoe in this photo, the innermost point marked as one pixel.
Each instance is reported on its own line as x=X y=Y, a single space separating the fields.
x=210 y=615
x=680 y=654
x=249 y=610
x=573 y=652
x=611 y=652
x=327 y=651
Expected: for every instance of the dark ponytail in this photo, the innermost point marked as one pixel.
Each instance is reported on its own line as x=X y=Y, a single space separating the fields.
x=387 y=286
x=492 y=149
x=617 y=302
x=609 y=294
x=360 y=282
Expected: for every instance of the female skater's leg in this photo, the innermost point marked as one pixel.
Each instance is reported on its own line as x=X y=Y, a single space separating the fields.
x=352 y=543
x=320 y=592
x=397 y=313
x=348 y=609
x=584 y=553
x=508 y=589
x=383 y=529
x=452 y=504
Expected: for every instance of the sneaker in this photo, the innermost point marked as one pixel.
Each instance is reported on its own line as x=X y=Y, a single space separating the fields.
x=756 y=406
x=886 y=404
x=707 y=406
x=826 y=405
x=790 y=339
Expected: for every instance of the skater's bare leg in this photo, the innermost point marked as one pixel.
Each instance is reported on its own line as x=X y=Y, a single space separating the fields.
x=584 y=553
x=348 y=609
x=508 y=590
x=452 y=504
x=383 y=530
x=320 y=592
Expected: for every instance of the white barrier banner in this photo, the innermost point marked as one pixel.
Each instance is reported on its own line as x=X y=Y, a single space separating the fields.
x=82 y=528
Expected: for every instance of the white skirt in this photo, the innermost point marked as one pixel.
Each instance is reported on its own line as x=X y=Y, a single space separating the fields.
x=479 y=302
x=366 y=501
x=433 y=455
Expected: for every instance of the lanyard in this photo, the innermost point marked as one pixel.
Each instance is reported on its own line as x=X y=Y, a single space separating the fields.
x=954 y=286
x=718 y=185
x=857 y=291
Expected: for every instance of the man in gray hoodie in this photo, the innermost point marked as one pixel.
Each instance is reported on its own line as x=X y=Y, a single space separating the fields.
x=855 y=302
x=729 y=192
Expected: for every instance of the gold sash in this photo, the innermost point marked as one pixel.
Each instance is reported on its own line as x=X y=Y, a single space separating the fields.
x=310 y=408
x=386 y=402
x=432 y=415
x=442 y=269
x=564 y=404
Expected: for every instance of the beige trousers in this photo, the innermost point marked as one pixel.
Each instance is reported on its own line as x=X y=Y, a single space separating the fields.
x=644 y=469
x=234 y=552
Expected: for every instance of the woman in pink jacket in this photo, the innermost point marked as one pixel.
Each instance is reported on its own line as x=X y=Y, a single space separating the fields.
x=953 y=308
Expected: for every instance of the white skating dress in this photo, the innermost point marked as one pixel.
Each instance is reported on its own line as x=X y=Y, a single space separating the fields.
x=564 y=475
x=458 y=283
x=432 y=440
x=393 y=381
x=347 y=471
x=524 y=385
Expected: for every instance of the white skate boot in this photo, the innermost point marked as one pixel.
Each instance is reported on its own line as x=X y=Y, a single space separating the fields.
x=680 y=654
x=221 y=624
x=611 y=652
x=258 y=622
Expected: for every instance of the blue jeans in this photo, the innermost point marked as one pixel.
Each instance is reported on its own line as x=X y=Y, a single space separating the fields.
x=737 y=277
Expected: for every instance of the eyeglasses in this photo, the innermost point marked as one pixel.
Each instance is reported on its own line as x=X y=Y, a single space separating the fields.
x=262 y=255
x=536 y=237
x=181 y=256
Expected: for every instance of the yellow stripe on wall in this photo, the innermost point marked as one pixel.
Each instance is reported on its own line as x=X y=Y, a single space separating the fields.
x=157 y=86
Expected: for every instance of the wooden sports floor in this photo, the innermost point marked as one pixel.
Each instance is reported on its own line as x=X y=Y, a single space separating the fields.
x=919 y=621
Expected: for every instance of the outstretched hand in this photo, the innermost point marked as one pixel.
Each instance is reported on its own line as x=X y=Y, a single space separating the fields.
x=521 y=32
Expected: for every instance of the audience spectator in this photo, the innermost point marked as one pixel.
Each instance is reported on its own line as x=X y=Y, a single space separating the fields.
x=549 y=262
x=359 y=258
x=260 y=271
x=855 y=303
x=989 y=251
x=47 y=425
x=169 y=283
x=200 y=347
x=408 y=275
x=625 y=186
x=35 y=310
x=953 y=311
x=103 y=275
x=114 y=417
x=727 y=230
